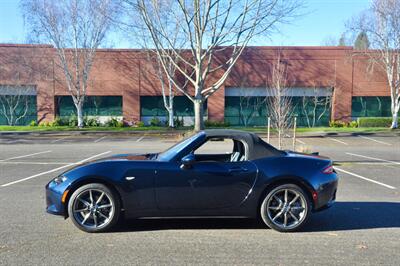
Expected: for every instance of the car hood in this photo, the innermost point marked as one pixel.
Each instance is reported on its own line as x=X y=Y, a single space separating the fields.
x=130 y=157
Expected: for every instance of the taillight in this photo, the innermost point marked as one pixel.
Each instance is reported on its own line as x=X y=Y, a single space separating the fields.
x=328 y=170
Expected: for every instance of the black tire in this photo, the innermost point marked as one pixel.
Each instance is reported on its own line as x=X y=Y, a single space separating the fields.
x=92 y=218
x=283 y=210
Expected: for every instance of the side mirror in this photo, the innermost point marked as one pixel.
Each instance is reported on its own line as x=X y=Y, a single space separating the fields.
x=188 y=161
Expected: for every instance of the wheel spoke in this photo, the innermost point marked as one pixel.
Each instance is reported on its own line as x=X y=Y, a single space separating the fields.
x=286 y=195
x=104 y=206
x=275 y=208
x=278 y=215
x=278 y=200
x=85 y=218
x=91 y=196
x=95 y=219
x=82 y=210
x=102 y=215
x=285 y=219
x=100 y=198
x=293 y=216
x=84 y=202
x=294 y=199
x=297 y=208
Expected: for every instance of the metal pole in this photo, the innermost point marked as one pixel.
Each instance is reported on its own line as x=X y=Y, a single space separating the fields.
x=294 y=133
x=269 y=125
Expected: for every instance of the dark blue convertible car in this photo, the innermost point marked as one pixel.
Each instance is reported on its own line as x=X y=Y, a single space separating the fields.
x=214 y=173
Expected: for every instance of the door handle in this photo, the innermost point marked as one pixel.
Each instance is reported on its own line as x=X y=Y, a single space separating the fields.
x=237 y=170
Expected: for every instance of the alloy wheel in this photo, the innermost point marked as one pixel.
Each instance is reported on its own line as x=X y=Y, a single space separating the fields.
x=286 y=208
x=93 y=208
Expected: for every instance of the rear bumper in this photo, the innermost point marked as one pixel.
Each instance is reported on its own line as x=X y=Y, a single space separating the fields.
x=326 y=194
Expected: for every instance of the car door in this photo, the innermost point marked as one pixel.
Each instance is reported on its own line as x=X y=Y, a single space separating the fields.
x=205 y=185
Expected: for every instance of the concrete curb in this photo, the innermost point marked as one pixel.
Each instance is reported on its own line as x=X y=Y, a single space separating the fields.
x=178 y=132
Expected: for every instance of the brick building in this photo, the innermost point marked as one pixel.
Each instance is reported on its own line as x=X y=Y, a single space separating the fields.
x=123 y=84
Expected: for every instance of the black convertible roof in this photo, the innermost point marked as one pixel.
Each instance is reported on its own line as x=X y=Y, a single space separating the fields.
x=257 y=147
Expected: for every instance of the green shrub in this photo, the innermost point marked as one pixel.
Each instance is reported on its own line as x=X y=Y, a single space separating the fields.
x=210 y=123
x=33 y=123
x=139 y=124
x=155 y=122
x=91 y=122
x=73 y=121
x=353 y=124
x=178 y=122
x=56 y=122
x=375 y=121
x=44 y=124
x=114 y=122
x=338 y=123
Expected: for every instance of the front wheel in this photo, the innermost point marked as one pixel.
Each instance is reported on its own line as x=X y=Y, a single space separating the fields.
x=285 y=208
x=94 y=208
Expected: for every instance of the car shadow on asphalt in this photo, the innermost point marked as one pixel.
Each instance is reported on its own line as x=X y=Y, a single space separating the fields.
x=342 y=216
x=354 y=215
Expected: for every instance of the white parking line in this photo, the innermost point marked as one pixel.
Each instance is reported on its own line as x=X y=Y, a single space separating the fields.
x=39 y=163
x=139 y=139
x=300 y=141
x=364 y=178
x=339 y=141
x=100 y=139
x=377 y=141
x=372 y=158
x=23 y=156
x=54 y=170
x=57 y=140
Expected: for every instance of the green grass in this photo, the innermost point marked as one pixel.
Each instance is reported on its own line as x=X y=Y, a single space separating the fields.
x=165 y=129
x=68 y=128
x=321 y=129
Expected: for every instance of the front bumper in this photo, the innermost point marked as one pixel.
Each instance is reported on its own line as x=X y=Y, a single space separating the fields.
x=54 y=204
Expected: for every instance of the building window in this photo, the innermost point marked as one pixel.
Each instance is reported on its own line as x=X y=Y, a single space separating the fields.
x=93 y=106
x=17 y=105
x=153 y=106
x=252 y=111
x=370 y=106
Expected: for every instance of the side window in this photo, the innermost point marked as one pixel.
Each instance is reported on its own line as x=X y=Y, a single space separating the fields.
x=222 y=150
x=216 y=146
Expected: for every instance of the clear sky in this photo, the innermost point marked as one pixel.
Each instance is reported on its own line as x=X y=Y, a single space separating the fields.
x=323 y=18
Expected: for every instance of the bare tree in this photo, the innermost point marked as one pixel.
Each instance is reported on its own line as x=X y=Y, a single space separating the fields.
x=14 y=102
x=138 y=30
x=279 y=100
x=381 y=24
x=249 y=106
x=315 y=107
x=76 y=28
x=217 y=32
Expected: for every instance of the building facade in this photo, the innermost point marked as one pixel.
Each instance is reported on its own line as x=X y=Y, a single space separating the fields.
x=326 y=83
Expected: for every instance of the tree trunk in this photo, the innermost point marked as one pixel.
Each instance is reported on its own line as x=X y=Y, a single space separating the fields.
x=79 y=112
x=171 y=117
x=198 y=115
x=395 y=118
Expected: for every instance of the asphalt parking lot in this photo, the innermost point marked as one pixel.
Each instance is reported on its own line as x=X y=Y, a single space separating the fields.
x=362 y=228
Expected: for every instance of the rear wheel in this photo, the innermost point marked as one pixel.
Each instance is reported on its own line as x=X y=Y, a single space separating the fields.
x=94 y=208
x=285 y=208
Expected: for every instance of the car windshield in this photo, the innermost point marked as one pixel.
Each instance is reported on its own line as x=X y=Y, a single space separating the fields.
x=178 y=147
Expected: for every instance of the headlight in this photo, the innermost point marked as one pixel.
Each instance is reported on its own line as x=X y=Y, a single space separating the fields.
x=59 y=179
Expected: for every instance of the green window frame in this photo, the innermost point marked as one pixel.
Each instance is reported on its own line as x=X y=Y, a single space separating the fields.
x=252 y=111
x=31 y=114
x=92 y=106
x=370 y=106
x=154 y=106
